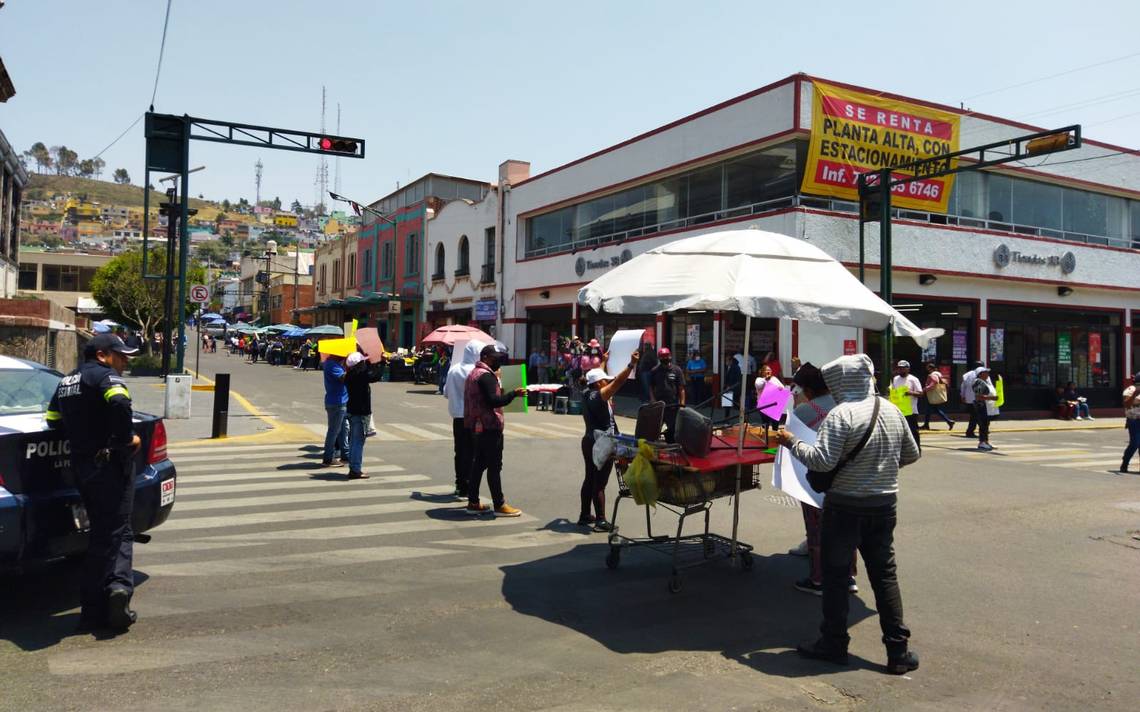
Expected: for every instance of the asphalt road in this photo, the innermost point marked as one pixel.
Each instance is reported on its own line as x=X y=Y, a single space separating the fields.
x=276 y=585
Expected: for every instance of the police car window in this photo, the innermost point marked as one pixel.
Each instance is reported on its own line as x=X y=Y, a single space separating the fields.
x=26 y=391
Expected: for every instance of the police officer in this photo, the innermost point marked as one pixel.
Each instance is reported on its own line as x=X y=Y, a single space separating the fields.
x=92 y=405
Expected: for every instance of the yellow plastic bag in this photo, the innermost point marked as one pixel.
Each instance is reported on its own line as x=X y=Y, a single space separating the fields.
x=640 y=477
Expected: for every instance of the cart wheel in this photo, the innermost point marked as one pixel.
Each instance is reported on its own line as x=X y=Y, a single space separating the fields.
x=674 y=584
x=613 y=558
x=746 y=561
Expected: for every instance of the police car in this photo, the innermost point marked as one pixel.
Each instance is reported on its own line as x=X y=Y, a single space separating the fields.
x=42 y=517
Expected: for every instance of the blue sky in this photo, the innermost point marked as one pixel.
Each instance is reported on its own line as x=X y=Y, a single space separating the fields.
x=457 y=87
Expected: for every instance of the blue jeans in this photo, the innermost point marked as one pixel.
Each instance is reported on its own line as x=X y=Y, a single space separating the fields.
x=1133 y=425
x=357 y=427
x=1084 y=407
x=336 y=437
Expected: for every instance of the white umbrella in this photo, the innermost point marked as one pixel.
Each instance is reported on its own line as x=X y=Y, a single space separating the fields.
x=757 y=273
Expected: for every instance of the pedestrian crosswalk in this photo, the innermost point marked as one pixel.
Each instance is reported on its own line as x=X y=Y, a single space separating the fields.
x=441 y=431
x=1064 y=455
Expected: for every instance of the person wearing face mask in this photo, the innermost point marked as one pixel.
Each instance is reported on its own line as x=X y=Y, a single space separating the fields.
x=483 y=402
x=668 y=382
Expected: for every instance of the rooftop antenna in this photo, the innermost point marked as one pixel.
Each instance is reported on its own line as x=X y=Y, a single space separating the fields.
x=257 y=180
x=322 y=167
x=336 y=165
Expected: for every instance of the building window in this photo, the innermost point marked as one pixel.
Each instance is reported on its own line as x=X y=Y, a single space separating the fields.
x=440 y=261
x=350 y=277
x=61 y=278
x=322 y=283
x=336 y=275
x=489 y=249
x=367 y=279
x=27 y=277
x=411 y=254
x=386 y=261
x=464 y=267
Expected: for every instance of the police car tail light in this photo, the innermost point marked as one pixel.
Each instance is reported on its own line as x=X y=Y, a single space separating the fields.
x=157 y=452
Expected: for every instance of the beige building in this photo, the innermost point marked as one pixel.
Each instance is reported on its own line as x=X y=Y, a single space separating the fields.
x=62 y=277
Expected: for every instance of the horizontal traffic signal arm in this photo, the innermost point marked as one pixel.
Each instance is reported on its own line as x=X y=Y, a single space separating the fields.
x=276 y=138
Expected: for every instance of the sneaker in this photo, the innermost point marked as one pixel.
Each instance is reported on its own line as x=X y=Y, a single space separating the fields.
x=924 y=427
x=1123 y=468
x=586 y=521
x=951 y=424
x=852 y=587
x=370 y=433
x=603 y=526
x=800 y=550
x=342 y=461
x=1089 y=417
x=808 y=586
x=1078 y=418
x=904 y=664
x=357 y=476
x=969 y=435
x=506 y=510
x=459 y=493
x=477 y=508
x=985 y=447
x=821 y=651
x=333 y=463
x=119 y=614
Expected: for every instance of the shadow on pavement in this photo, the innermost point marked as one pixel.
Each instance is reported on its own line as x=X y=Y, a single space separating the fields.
x=34 y=603
x=752 y=617
x=431 y=392
x=562 y=525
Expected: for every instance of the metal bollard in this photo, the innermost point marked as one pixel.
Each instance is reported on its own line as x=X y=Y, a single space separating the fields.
x=221 y=405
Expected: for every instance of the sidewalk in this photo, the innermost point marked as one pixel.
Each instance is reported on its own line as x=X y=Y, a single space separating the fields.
x=148 y=393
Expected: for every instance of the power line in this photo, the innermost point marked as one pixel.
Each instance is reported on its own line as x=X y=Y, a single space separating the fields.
x=161 y=51
x=1054 y=76
x=124 y=133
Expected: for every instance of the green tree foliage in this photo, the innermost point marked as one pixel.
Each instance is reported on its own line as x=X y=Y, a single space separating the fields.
x=276 y=203
x=226 y=205
x=213 y=252
x=41 y=155
x=66 y=160
x=127 y=298
x=121 y=176
x=296 y=207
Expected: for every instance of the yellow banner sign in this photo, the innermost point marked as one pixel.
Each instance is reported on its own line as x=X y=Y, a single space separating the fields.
x=853 y=132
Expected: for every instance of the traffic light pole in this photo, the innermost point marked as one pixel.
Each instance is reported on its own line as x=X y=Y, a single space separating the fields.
x=875 y=187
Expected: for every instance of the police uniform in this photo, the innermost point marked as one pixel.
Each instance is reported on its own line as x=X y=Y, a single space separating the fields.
x=92 y=405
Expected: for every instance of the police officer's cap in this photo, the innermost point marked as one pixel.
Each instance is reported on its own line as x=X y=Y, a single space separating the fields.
x=107 y=343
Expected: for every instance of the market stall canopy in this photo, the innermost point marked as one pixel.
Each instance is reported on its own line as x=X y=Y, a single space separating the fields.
x=210 y=315
x=282 y=327
x=326 y=330
x=757 y=273
x=448 y=335
x=294 y=333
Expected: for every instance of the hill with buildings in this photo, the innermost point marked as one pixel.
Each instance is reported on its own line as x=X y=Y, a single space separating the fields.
x=45 y=187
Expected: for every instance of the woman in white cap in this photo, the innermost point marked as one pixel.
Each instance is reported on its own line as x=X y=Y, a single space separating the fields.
x=985 y=405
x=598 y=414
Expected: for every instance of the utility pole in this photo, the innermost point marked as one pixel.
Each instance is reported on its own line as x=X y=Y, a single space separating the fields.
x=257 y=179
x=323 y=165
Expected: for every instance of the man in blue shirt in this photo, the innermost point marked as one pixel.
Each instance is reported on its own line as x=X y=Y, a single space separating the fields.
x=336 y=406
x=697 y=369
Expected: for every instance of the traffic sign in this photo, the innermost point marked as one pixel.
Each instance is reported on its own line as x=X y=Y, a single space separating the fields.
x=199 y=294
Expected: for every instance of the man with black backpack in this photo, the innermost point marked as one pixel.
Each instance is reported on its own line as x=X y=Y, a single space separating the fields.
x=860 y=446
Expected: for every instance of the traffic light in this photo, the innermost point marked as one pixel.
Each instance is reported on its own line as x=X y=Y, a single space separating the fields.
x=337 y=144
x=1049 y=144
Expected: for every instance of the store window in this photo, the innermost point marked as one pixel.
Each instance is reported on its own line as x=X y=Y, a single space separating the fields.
x=1037 y=204
x=28 y=277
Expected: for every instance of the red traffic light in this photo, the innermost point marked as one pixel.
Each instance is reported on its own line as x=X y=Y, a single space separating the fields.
x=337 y=145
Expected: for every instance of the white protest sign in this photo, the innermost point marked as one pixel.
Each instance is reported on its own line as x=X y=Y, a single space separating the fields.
x=622 y=346
x=788 y=473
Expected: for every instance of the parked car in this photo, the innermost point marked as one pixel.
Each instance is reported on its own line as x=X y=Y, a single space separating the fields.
x=42 y=517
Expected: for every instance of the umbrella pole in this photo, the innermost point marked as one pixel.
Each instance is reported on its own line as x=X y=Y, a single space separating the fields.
x=740 y=437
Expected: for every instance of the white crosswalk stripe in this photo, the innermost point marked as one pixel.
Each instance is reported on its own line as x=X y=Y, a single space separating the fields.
x=1078 y=456
x=192 y=487
x=404 y=432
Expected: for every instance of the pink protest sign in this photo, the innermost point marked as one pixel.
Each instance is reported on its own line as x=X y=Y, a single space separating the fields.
x=773 y=400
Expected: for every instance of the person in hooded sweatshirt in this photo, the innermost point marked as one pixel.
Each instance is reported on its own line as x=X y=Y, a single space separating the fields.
x=860 y=508
x=462 y=436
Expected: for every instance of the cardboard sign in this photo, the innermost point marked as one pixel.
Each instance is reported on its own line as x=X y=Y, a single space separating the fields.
x=370 y=343
x=510 y=378
x=773 y=399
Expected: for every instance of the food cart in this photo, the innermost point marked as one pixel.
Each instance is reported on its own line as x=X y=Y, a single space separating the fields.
x=759 y=274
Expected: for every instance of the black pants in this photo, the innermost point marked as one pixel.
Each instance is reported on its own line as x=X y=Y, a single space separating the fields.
x=973 y=424
x=982 y=417
x=464 y=454
x=912 y=423
x=872 y=531
x=108 y=493
x=594 y=484
x=489 y=457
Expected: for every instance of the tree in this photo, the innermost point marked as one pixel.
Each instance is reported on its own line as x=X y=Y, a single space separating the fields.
x=98 y=164
x=121 y=176
x=226 y=205
x=213 y=252
x=296 y=207
x=66 y=160
x=86 y=168
x=127 y=298
x=41 y=155
x=221 y=218
x=228 y=239
x=276 y=203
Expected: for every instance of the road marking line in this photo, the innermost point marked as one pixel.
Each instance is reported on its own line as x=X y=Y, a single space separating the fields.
x=241 y=468
x=538 y=432
x=1056 y=454
x=304 y=515
x=573 y=430
x=265 y=564
x=1087 y=463
x=418 y=432
x=353 y=493
x=238 y=456
x=462 y=522
x=239 y=477
x=185 y=491
x=183 y=450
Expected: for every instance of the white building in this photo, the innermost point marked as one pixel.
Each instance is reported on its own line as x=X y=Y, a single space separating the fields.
x=1032 y=269
x=461 y=252
x=12 y=182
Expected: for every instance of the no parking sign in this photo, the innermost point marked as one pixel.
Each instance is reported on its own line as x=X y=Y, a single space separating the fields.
x=199 y=294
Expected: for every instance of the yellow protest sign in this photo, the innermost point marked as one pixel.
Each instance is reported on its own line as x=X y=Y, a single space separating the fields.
x=853 y=132
x=999 y=386
x=901 y=398
x=340 y=347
